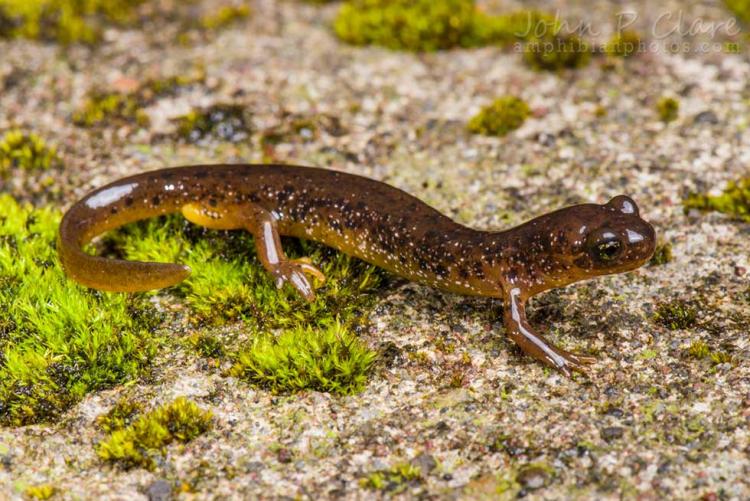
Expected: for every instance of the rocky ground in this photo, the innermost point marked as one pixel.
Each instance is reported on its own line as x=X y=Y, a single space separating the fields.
x=453 y=397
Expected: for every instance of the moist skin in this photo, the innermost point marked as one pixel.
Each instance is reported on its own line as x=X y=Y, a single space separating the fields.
x=368 y=219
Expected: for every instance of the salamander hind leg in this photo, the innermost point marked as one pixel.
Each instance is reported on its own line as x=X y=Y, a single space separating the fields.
x=262 y=225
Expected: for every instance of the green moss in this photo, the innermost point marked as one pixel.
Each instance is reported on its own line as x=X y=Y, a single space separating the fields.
x=120 y=415
x=420 y=358
x=740 y=8
x=65 y=21
x=429 y=25
x=43 y=491
x=733 y=47
x=330 y=359
x=721 y=357
x=228 y=282
x=224 y=16
x=25 y=150
x=224 y=122
x=504 y=115
x=105 y=108
x=207 y=345
x=395 y=479
x=375 y=480
x=506 y=29
x=668 y=109
x=676 y=314
x=421 y=25
x=662 y=254
x=58 y=341
x=623 y=44
x=734 y=201
x=700 y=351
x=556 y=51
x=115 y=108
x=141 y=443
x=648 y=354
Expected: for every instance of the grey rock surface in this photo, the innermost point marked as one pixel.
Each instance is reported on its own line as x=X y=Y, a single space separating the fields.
x=649 y=423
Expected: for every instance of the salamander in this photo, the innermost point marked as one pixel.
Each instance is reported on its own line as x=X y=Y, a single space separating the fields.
x=368 y=219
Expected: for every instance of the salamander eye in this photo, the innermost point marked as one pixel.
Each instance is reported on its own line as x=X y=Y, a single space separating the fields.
x=605 y=246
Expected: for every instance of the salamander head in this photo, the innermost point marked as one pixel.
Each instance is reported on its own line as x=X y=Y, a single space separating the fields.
x=612 y=238
x=585 y=241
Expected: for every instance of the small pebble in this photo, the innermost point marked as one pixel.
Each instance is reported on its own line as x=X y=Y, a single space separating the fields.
x=612 y=433
x=706 y=117
x=284 y=455
x=159 y=490
x=425 y=462
x=533 y=477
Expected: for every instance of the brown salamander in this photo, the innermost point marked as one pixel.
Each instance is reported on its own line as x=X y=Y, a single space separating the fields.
x=367 y=219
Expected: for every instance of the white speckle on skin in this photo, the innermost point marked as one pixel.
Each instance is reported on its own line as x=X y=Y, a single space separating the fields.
x=110 y=195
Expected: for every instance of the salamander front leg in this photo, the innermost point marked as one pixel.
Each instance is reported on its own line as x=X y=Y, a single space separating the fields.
x=533 y=344
x=263 y=227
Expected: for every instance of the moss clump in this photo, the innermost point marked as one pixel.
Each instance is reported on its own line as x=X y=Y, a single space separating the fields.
x=116 y=108
x=207 y=345
x=734 y=201
x=44 y=491
x=141 y=443
x=648 y=354
x=700 y=351
x=58 y=341
x=556 y=51
x=224 y=16
x=430 y=25
x=721 y=357
x=330 y=359
x=65 y=21
x=668 y=109
x=110 y=107
x=662 y=254
x=421 y=25
x=623 y=44
x=224 y=122
x=504 y=115
x=505 y=29
x=740 y=8
x=395 y=480
x=25 y=150
x=120 y=415
x=676 y=315
x=228 y=282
